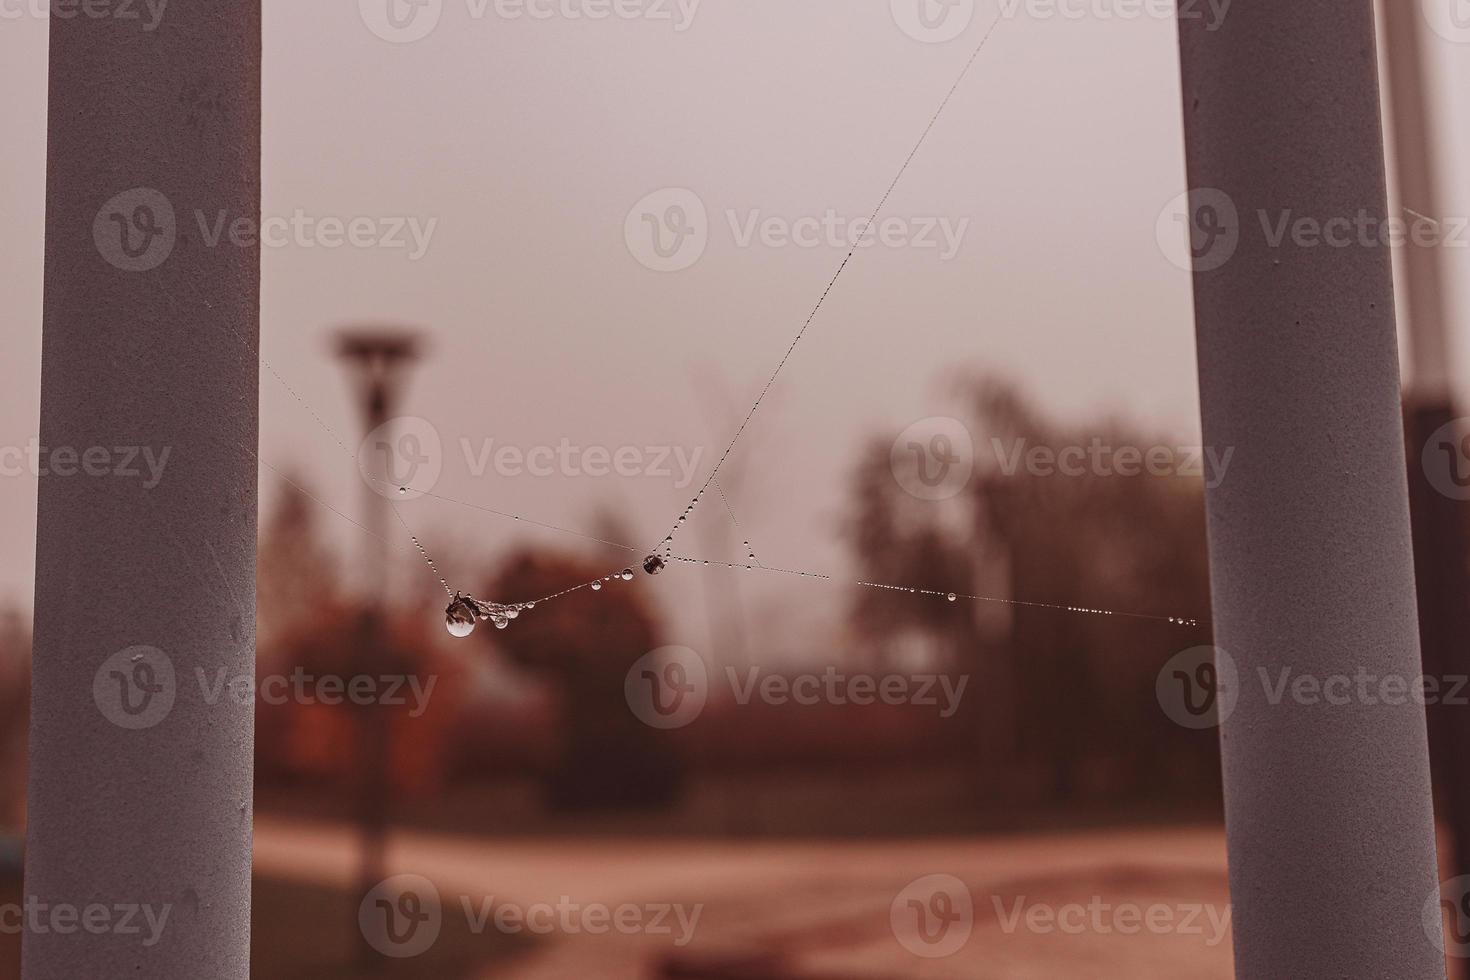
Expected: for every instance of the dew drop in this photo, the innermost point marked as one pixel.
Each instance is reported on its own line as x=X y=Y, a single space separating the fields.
x=952 y=597
x=627 y=575
x=502 y=623
x=597 y=586
x=460 y=616
x=403 y=490
x=512 y=612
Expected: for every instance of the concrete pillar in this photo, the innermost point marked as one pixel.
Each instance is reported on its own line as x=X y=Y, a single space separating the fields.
x=1329 y=822
x=140 y=763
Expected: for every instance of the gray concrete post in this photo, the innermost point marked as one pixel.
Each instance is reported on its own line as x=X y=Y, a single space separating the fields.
x=1329 y=822
x=140 y=763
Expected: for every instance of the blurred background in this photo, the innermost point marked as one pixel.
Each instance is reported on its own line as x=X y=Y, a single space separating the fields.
x=601 y=234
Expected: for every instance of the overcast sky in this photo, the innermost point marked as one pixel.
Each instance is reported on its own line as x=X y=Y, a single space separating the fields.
x=518 y=146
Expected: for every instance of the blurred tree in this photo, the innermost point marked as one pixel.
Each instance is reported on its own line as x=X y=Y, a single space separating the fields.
x=585 y=643
x=1059 y=702
x=296 y=574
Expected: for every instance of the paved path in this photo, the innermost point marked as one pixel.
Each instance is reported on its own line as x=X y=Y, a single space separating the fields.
x=1129 y=904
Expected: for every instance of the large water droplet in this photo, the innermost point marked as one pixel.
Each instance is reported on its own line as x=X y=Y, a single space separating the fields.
x=460 y=616
x=653 y=564
x=597 y=586
x=952 y=597
x=627 y=575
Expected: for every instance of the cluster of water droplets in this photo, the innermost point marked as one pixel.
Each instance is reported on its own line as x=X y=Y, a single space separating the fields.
x=465 y=612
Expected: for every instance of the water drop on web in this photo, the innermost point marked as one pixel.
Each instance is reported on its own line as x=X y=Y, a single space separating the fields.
x=952 y=597
x=402 y=490
x=597 y=586
x=627 y=575
x=460 y=616
x=512 y=612
x=502 y=623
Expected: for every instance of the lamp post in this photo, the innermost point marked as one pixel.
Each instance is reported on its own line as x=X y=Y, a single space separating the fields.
x=377 y=359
